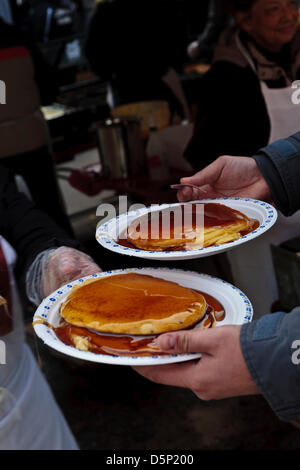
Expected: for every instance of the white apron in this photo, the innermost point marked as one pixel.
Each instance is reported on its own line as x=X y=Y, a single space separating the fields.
x=29 y=416
x=252 y=265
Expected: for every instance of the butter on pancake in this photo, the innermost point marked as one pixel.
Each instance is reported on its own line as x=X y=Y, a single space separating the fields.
x=183 y=227
x=133 y=304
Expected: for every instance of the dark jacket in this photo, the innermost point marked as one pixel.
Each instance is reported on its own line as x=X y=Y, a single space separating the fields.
x=279 y=163
x=27 y=229
x=132 y=44
x=232 y=117
x=271 y=345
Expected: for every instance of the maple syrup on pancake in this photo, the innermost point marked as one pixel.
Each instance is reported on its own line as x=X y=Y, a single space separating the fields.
x=125 y=298
x=215 y=215
x=124 y=345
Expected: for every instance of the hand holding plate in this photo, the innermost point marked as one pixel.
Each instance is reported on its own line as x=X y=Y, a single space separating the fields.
x=220 y=373
x=226 y=177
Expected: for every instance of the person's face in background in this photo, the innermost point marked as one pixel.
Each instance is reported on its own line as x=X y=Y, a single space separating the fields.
x=271 y=23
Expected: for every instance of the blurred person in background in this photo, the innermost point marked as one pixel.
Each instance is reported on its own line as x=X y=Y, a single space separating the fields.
x=135 y=46
x=38 y=251
x=25 y=142
x=247 y=91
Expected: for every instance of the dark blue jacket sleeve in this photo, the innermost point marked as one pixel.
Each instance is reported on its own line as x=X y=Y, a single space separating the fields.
x=279 y=164
x=271 y=348
x=271 y=345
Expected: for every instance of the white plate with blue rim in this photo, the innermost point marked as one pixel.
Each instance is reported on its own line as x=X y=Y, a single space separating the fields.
x=108 y=233
x=238 y=311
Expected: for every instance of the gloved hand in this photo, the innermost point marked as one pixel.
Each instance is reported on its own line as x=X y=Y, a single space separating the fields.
x=65 y=265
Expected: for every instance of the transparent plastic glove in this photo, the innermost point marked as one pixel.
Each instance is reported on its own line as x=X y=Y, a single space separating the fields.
x=65 y=265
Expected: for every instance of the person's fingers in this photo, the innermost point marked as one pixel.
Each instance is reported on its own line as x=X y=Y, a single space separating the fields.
x=65 y=265
x=178 y=375
x=208 y=175
x=182 y=374
x=89 y=269
x=185 y=194
x=203 y=182
x=83 y=265
x=189 y=341
x=192 y=193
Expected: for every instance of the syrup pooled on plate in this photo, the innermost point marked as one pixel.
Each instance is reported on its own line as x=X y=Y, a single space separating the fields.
x=187 y=227
x=108 y=344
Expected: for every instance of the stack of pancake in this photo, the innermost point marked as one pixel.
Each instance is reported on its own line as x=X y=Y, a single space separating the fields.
x=188 y=227
x=131 y=305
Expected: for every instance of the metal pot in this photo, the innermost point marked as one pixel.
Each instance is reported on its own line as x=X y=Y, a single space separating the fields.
x=121 y=148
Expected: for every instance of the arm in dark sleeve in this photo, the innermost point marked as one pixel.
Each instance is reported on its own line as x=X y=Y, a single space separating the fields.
x=271 y=349
x=279 y=164
x=271 y=345
x=26 y=228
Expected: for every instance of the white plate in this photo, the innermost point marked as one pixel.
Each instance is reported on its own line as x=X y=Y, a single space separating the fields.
x=237 y=307
x=107 y=234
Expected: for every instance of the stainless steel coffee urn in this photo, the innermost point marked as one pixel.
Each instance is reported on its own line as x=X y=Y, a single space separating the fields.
x=121 y=148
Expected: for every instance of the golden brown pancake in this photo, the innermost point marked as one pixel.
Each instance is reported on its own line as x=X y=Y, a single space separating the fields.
x=134 y=304
x=188 y=226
